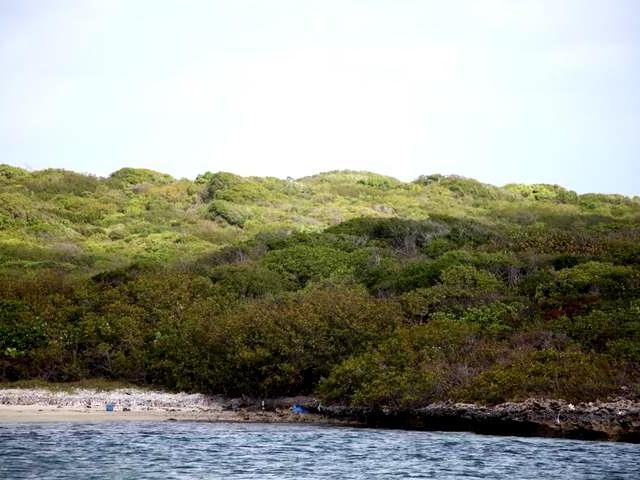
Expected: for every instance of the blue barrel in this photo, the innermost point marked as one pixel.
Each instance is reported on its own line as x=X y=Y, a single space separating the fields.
x=299 y=409
x=109 y=407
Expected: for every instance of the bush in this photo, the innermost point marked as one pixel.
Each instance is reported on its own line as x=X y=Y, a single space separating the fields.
x=233 y=286
x=305 y=263
x=497 y=318
x=412 y=367
x=216 y=182
x=460 y=287
x=235 y=215
x=588 y=282
x=544 y=191
x=9 y=173
x=406 y=236
x=138 y=176
x=284 y=345
x=616 y=331
x=55 y=181
x=250 y=280
x=571 y=376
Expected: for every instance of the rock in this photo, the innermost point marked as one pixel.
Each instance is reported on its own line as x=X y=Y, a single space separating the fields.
x=618 y=420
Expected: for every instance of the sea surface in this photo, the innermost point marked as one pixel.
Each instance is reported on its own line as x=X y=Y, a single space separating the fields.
x=139 y=450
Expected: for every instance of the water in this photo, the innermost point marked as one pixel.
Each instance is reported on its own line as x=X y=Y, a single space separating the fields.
x=235 y=451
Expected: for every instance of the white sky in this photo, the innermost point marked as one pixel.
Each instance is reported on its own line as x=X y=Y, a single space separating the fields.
x=499 y=90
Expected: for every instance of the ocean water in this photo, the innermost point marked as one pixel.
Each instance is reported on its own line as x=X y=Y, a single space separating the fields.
x=139 y=450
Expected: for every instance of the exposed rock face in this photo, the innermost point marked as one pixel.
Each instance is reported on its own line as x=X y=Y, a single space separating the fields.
x=618 y=420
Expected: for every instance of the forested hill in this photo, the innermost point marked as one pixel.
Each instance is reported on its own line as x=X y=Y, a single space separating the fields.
x=354 y=286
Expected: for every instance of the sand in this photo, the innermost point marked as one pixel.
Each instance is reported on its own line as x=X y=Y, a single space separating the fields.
x=85 y=405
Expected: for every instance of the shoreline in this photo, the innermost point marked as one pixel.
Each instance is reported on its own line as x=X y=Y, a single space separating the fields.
x=617 y=420
x=42 y=414
x=129 y=404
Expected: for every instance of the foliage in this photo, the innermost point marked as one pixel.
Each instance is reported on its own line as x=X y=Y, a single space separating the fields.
x=137 y=176
x=543 y=191
x=305 y=263
x=247 y=280
x=229 y=212
x=351 y=285
x=570 y=375
x=411 y=367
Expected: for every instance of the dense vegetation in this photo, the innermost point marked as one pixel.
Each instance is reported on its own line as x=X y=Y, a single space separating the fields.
x=350 y=285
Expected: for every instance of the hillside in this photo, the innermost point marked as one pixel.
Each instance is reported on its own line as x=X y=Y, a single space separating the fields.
x=354 y=286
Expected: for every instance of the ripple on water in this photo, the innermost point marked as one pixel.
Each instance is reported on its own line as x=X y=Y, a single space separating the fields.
x=236 y=451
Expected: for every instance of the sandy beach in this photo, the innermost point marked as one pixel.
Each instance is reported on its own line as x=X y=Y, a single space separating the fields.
x=85 y=405
x=45 y=413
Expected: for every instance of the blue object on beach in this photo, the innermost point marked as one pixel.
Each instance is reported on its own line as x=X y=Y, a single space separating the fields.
x=299 y=409
x=109 y=407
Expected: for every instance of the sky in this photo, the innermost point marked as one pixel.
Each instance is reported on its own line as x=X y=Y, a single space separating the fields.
x=527 y=91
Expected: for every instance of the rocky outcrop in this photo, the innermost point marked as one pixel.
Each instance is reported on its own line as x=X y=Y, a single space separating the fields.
x=617 y=420
x=270 y=404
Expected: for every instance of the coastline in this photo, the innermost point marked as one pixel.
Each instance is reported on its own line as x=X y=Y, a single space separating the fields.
x=130 y=404
x=617 y=420
x=614 y=421
x=39 y=413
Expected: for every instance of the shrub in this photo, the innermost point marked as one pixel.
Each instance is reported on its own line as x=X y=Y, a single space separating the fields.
x=544 y=191
x=284 y=345
x=247 y=280
x=571 y=375
x=588 y=280
x=216 y=182
x=406 y=236
x=412 y=367
x=460 y=287
x=232 y=214
x=55 y=181
x=305 y=263
x=9 y=173
x=616 y=331
x=138 y=176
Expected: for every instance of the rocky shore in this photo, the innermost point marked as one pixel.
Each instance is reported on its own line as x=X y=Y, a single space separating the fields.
x=616 y=420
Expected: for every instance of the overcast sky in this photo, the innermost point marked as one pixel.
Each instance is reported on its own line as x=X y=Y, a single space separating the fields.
x=498 y=90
